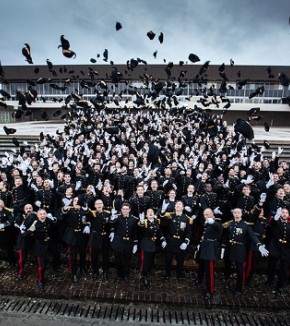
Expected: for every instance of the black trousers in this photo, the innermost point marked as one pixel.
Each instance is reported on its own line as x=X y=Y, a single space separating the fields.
x=123 y=259
x=96 y=254
x=283 y=273
x=147 y=260
x=179 y=256
x=73 y=252
x=207 y=268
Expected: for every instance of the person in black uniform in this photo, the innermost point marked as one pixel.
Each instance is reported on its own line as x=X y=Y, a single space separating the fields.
x=74 y=236
x=124 y=239
x=5 y=194
x=99 y=241
x=177 y=232
x=44 y=244
x=234 y=245
x=139 y=203
x=19 y=196
x=6 y=238
x=46 y=198
x=25 y=241
x=150 y=234
x=209 y=251
x=156 y=196
x=279 y=248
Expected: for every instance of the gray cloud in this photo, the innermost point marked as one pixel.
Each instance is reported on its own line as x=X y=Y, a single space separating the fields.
x=249 y=31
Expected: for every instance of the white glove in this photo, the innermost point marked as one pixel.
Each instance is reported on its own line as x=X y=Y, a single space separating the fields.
x=34 y=187
x=142 y=217
x=269 y=183
x=263 y=197
x=66 y=201
x=134 y=249
x=86 y=229
x=222 y=253
x=78 y=185
x=2 y=225
x=188 y=209
x=193 y=217
x=183 y=246
x=264 y=252
x=99 y=185
x=227 y=184
x=114 y=214
x=52 y=218
x=165 y=183
x=280 y=150
x=32 y=227
x=174 y=186
x=209 y=220
x=278 y=214
x=164 y=206
x=217 y=210
x=273 y=155
x=197 y=247
x=249 y=179
x=38 y=203
x=22 y=228
x=111 y=236
x=163 y=244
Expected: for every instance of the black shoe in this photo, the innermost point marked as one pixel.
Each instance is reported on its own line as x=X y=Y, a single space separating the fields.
x=83 y=273
x=40 y=285
x=75 y=279
x=59 y=269
x=197 y=282
x=237 y=294
x=19 y=277
x=95 y=276
x=278 y=291
x=146 y=283
x=105 y=276
x=207 y=296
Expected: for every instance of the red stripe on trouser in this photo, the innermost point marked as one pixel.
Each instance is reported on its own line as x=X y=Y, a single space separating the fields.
x=39 y=270
x=20 y=262
x=244 y=273
x=91 y=255
x=142 y=260
x=69 y=258
x=211 y=277
x=249 y=264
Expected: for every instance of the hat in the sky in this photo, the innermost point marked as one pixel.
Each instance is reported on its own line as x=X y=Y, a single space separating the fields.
x=244 y=128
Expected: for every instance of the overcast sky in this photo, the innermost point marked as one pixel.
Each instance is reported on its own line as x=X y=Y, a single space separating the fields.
x=251 y=32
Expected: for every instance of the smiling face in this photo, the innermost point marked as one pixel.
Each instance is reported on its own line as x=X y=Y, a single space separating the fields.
x=41 y=215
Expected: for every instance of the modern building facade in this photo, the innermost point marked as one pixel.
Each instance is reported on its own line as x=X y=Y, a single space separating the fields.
x=228 y=90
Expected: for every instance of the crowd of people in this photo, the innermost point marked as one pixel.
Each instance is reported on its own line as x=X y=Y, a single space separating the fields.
x=118 y=183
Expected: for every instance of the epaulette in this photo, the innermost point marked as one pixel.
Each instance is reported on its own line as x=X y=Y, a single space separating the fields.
x=9 y=209
x=226 y=224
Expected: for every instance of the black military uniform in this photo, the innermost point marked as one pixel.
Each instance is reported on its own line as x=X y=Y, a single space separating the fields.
x=139 y=205
x=125 y=230
x=156 y=198
x=99 y=242
x=19 y=199
x=75 y=239
x=43 y=245
x=46 y=199
x=6 y=196
x=150 y=234
x=279 y=249
x=177 y=230
x=209 y=253
x=25 y=241
x=6 y=235
x=235 y=241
